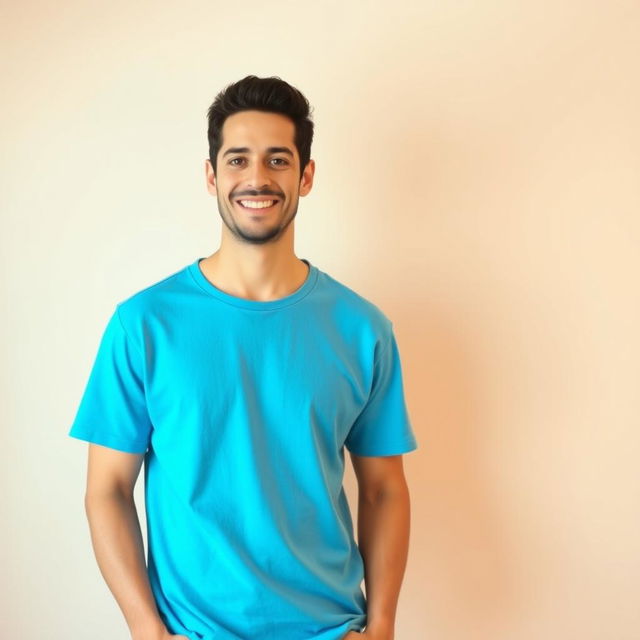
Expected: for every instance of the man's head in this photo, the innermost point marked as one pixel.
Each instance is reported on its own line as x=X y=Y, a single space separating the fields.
x=259 y=146
x=261 y=94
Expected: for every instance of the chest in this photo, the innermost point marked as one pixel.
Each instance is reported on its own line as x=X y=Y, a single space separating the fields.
x=213 y=381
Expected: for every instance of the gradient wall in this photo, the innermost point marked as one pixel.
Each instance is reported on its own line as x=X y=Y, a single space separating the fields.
x=477 y=178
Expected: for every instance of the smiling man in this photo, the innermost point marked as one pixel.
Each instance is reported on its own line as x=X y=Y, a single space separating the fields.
x=262 y=213
x=239 y=380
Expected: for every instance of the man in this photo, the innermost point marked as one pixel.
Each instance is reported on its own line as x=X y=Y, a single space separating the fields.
x=239 y=379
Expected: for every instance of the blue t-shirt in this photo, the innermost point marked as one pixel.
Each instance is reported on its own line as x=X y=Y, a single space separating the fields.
x=243 y=409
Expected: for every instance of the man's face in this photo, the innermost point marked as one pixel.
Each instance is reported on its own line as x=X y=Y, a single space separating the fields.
x=258 y=161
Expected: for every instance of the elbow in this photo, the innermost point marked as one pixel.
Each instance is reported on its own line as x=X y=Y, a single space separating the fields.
x=398 y=490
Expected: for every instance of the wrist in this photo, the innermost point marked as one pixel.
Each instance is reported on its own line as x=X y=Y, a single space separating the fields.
x=380 y=629
x=154 y=630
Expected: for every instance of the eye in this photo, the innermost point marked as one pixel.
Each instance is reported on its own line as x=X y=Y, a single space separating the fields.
x=279 y=161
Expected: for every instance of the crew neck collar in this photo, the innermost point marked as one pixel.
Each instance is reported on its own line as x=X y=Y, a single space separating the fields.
x=256 y=305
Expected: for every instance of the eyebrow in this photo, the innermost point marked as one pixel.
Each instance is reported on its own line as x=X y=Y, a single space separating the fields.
x=269 y=150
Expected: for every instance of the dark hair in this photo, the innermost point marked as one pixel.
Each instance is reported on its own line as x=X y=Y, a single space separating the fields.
x=270 y=94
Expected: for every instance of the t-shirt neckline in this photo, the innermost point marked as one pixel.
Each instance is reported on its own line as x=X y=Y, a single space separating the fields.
x=256 y=305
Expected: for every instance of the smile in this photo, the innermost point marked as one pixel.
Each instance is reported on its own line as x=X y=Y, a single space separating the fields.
x=259 y=205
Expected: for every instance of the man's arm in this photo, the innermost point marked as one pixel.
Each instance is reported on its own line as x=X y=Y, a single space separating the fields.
x=383 y=536
x=117 y=538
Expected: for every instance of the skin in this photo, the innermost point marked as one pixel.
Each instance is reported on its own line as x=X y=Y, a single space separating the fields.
x=256 y=261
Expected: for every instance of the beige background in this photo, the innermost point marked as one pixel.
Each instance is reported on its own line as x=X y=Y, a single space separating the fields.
x=477 y=178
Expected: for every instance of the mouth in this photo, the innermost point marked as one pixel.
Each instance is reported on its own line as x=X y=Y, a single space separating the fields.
x=257 y=206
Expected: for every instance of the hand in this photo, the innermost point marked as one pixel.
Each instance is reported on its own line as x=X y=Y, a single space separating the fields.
x=159 y=634
x=367 y=634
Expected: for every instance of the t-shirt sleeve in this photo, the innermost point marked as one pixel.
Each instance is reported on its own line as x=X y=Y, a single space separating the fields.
x=112 y=410
x=383 y=427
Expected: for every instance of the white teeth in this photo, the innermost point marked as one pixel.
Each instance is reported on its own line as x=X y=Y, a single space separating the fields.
x=250 y=204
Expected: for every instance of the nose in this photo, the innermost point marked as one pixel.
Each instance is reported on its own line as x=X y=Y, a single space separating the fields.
x=257 y=176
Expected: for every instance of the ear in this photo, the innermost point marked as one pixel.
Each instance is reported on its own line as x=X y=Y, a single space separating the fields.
x=306 y=180
x=210 y=178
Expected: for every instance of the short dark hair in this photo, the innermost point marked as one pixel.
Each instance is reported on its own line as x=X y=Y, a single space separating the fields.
x=270 y=94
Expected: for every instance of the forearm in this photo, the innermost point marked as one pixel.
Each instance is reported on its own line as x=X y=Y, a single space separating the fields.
x=383 y=539
x=119 y=549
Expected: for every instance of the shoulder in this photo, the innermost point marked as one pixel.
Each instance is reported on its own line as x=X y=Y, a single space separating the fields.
x=352 y=308
x=138 y=307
